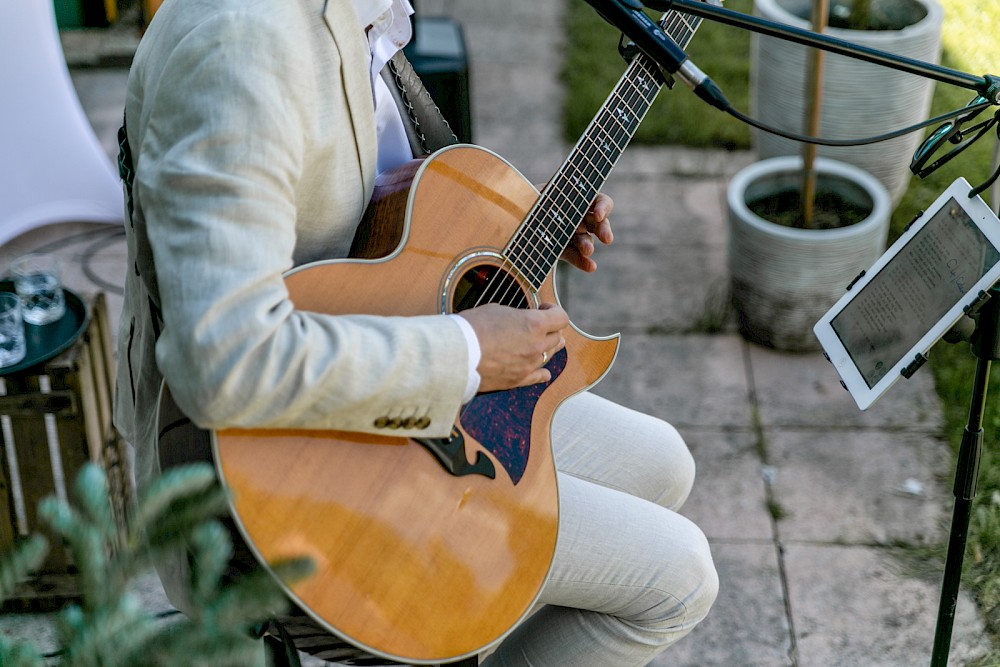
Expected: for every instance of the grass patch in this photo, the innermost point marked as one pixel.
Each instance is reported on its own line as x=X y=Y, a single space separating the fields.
x=776 y=510
x=591 y=70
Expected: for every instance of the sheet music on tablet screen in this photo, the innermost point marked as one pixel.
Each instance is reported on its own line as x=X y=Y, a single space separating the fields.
x=917 y=288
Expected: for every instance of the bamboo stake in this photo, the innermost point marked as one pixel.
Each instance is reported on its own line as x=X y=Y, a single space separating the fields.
x=814 y=103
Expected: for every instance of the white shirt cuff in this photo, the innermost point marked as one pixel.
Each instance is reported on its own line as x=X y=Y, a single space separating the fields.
x=475 y=354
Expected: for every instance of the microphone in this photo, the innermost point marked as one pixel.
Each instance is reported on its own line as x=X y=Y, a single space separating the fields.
x=627 y=16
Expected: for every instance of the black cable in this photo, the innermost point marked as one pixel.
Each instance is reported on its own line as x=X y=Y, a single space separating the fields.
x=103 y=230
x=961 y=143
x=851 y=142
x=989 y=181
x=100 y=238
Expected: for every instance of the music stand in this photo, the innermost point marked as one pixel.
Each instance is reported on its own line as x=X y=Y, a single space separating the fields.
x=985 y=340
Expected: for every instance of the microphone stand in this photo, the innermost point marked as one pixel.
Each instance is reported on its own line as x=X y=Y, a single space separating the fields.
x=985 y=338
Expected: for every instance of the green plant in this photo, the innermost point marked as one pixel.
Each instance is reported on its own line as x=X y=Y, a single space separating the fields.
x=865 y=14
x=108 y=628
x=860 y=15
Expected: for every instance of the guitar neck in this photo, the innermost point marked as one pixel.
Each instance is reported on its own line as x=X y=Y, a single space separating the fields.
x=550 y=225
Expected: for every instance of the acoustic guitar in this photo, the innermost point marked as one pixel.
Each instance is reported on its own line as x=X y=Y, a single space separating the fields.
x=430 y=550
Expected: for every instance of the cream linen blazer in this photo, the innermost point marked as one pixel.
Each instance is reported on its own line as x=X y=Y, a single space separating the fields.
x=251 y=125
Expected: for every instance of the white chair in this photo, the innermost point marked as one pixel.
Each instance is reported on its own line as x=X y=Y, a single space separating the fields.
x=52 y=167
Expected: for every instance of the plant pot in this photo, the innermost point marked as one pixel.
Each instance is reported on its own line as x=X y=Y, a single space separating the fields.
x=783 y=279
x=859 y=99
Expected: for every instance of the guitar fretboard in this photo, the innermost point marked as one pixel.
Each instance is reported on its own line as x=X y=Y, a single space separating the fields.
x=546 y=232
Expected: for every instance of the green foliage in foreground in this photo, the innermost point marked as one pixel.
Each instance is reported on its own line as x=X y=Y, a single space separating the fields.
x=109 y=628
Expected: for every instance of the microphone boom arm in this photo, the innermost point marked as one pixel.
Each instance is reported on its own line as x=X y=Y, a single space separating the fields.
x=988 y=86
x=649 y=37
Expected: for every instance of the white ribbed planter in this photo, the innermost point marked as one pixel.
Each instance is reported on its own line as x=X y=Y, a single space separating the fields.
x=784 y=279
x=859 y=99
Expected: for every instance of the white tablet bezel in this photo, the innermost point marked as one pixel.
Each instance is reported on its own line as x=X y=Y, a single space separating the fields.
x=853 y=379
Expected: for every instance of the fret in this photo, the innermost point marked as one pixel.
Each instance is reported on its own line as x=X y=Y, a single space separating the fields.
x=691 y=27
x=550 y=225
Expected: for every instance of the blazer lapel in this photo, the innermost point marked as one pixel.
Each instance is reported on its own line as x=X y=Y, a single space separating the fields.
x=344 y=28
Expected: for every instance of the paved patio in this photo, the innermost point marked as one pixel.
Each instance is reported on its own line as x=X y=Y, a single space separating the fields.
x=811 y=506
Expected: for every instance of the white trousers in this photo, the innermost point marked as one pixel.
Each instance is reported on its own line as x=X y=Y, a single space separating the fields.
x=630 y=576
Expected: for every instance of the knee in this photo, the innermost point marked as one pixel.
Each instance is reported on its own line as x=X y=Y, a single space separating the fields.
x=691 y=565
x=706 y=589
x=675 y=468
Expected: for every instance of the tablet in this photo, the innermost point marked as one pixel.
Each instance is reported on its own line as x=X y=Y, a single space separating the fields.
x=942 y=265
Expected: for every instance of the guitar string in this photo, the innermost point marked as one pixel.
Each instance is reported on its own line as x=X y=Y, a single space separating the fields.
x=619 y=138
x=614 y=126
x=562 y=203
x=642 y=82
x=555 y=209
x=644 y=74
x=566 y=204
x=626 y=127
x=522 y=243
x=543 y=230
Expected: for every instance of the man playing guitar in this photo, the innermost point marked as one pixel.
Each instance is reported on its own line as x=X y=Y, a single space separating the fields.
x=256 y=130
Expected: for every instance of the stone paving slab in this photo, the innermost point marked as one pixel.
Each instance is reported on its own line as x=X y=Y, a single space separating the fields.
x=804 y=390
x=689 y=381
x=666 y=269
x=631 y=291
x=654 y=210
x=860 y=486
x=855 y=606
x=728 y=501
x=516 y=125
x=716 y=165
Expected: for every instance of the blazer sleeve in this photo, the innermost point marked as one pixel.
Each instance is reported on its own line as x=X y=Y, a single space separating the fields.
x=218 y=165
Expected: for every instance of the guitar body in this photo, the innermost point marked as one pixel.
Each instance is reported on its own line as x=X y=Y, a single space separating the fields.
x=415 y=562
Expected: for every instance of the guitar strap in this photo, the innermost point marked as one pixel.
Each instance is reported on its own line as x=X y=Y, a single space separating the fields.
x=426 y=127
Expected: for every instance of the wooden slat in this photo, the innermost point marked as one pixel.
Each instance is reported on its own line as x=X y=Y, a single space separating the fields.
x=33 y=404
x=45 y=592
x=102 y=363
x=8 y=516
x=34 y=464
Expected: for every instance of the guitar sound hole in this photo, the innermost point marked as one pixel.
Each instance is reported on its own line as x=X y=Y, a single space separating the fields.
x=488 y=284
